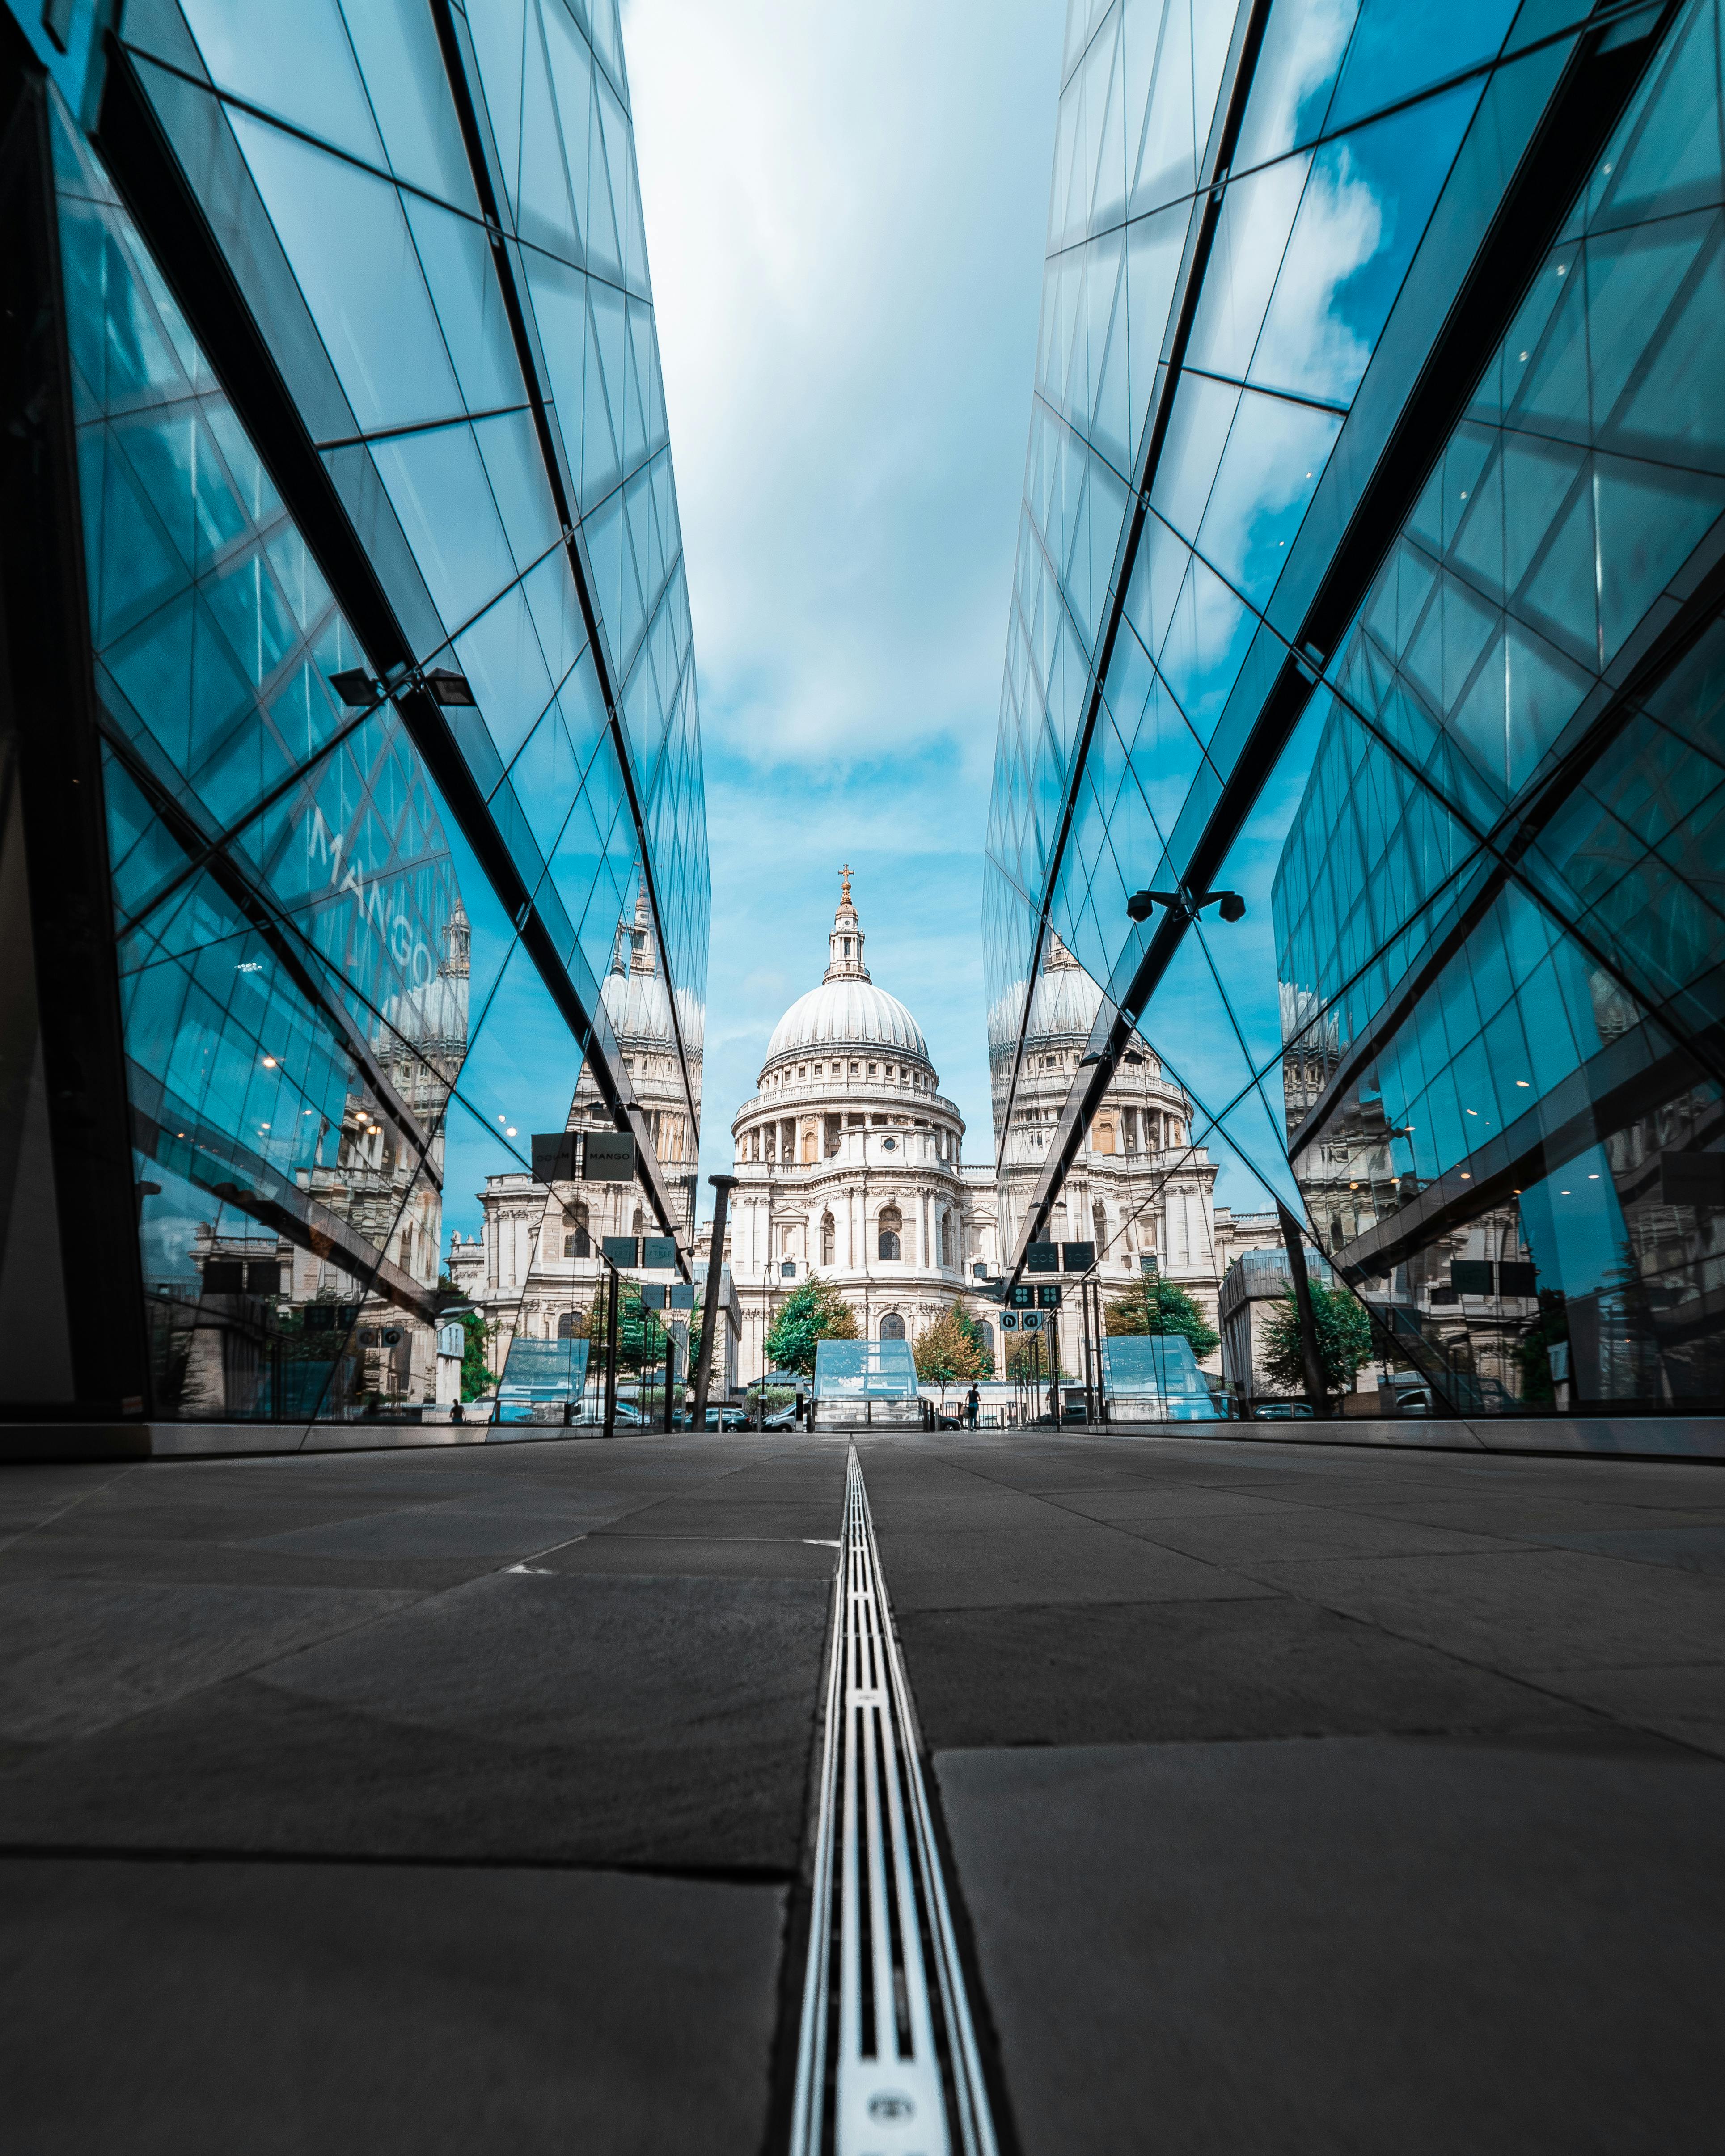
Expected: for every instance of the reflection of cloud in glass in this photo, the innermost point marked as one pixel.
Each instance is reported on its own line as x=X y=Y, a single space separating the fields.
x=1302 y=49
x=1307 y=345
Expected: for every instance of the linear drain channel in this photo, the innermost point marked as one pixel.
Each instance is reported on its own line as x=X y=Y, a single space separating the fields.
x=887 y=2061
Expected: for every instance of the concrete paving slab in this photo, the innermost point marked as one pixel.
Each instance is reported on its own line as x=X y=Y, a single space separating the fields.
x=662 y=1721
x=698 y=1516
x=1295 y=1532
x=1154 y=1501
x=1193 y=1672
x=1693 y=1546
x=1526 y=1609
x=1686 y=1703
x=195 y=2009
x=1350 y=1945
x=1066 y=1562
x=77 y=1657
x=216 y=1564
x=741 y=1556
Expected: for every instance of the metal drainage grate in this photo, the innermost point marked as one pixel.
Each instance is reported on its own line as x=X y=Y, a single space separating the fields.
x=887 y=2062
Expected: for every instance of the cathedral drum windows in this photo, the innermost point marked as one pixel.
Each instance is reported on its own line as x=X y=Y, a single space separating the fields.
x=892 y=1326
x=892 y=1228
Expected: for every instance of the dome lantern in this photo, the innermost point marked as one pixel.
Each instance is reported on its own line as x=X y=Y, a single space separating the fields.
x=845 y=943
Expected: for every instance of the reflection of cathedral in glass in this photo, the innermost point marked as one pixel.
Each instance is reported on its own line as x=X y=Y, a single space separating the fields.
x=1372 y=544
x=394 y=711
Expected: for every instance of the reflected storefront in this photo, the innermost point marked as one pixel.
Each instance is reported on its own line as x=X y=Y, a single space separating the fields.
x=383 y=653
x=1372 y=570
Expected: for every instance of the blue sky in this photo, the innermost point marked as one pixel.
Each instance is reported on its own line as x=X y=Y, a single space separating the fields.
x=845 y=210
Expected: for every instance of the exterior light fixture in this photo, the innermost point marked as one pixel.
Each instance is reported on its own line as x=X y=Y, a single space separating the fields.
x=446 y=686
x=1187 y=904
x=355 y=686
x=269 y=1062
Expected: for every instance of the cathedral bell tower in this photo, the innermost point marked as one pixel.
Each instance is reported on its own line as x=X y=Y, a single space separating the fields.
x=845 y=943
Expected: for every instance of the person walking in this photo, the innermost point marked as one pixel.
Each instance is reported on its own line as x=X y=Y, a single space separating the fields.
x=972 y=1402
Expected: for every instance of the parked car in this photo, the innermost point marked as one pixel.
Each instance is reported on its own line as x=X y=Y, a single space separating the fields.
x=1412 y=1400
x=1281 y=1410
x=723 y=1418
x=782 y=1417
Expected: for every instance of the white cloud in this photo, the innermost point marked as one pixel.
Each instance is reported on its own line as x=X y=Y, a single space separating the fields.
x=845 y=211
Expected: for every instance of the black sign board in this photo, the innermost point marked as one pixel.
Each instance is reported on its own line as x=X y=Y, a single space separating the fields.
x=652 y=1298
x=1024 y=1296
x=1048 y=1298
x=1042 y=1257
x=621 y=1250
x=682 y=1293
x=555 y=1156
x=1470 y=1275
x=659 y=1253
x=1008 y=1321
x=1077 y=1257
x=608 y=1156
x=1517 y=1279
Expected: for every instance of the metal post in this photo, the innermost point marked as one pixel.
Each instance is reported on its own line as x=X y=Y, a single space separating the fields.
x=612 y=1298
x=1294 y=1241
x=671 y=1372
x=723 y=1185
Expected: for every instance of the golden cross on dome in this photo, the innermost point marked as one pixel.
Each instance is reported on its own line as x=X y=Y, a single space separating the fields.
x=844 y=878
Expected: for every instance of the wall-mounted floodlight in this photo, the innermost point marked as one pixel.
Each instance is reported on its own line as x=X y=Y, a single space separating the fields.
x=355 y=686
x=446 y=686
x=1188 y=904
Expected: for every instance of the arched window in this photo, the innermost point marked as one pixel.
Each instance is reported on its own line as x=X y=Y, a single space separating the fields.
x=638 y=1225
x=828 y=1239
x=946 y=1238
x=892 y=1222
x=572 y=1325
x=892 y=1326
x=577 y=1243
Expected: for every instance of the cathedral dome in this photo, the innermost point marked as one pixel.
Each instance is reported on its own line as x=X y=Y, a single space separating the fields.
x=847 y=1009
x=1065 y=1000
x=848 y=1012
x=638 y=1007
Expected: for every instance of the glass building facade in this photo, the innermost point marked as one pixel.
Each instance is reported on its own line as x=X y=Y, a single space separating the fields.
x=352 y=625
x=1370 y=569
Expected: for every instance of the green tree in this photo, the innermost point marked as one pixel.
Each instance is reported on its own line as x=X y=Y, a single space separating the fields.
x=476 y=1376
x=1344 y=1340
x=814 y=1311
x=948 y=1350
x=1154 y=1304
x=978 y=1339
x=640 y=1332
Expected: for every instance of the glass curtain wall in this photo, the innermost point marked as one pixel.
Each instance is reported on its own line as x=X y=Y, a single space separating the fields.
x=392 y=660
x=1369 y=570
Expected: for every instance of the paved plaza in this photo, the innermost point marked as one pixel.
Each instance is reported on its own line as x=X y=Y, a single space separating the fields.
x=1291 y=1796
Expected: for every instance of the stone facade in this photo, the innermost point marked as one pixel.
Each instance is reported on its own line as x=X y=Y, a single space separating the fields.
x=850 y=1163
